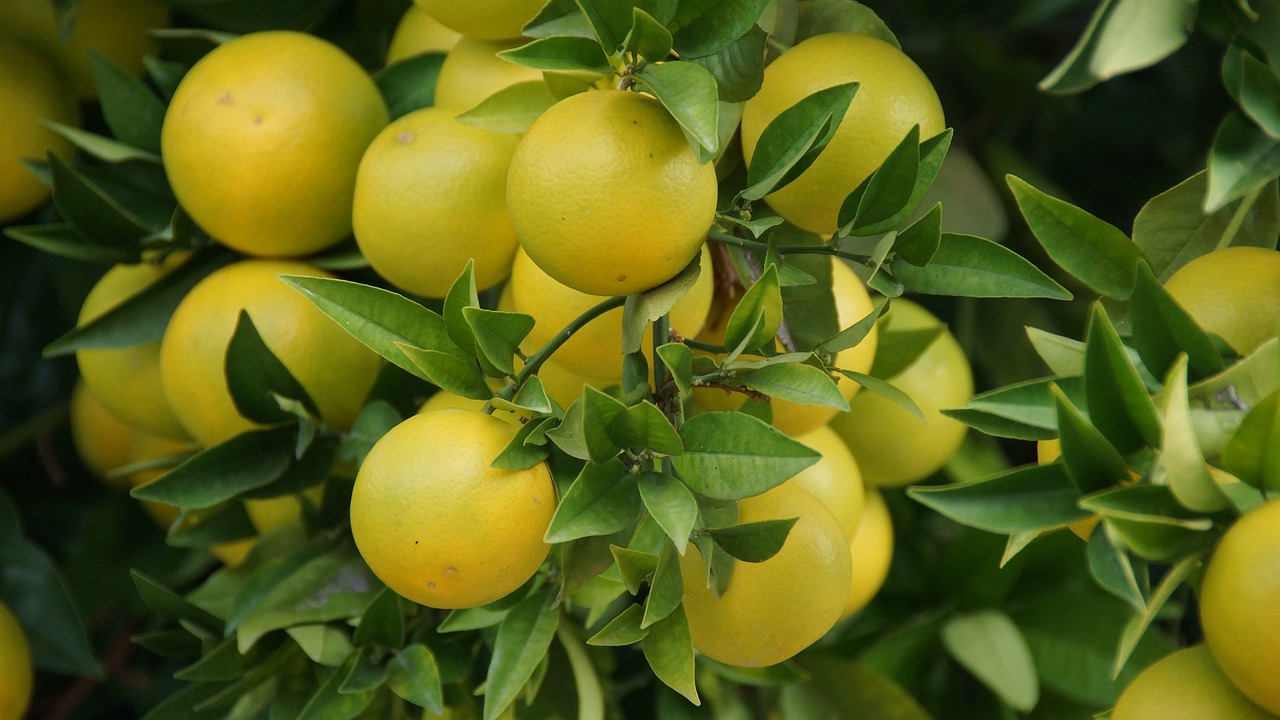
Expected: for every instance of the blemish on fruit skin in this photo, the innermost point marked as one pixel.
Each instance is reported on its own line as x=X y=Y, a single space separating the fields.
x=257 y=119
x=450 y=570
x=226 y=99
x=404 y=137
x=622 y=278
x=431 y=585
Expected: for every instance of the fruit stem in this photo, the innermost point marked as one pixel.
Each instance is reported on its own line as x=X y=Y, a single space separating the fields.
x=783 y=251
x=546 y=351
x=1238 y=218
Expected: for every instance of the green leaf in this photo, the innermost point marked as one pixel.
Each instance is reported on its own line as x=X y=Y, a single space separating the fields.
x=1162 y=329
x=738 y=68
x=647 y=307
x=794 y=139
x=885 y=390
x=1181 y=461
x=644 y=426
x=591 y=697
x=565 y=53
x=558 y=17
x=462 y=295
x=520 y=454
x=365 y=674
x=1020 y=500
x=706 y=28
x=63 y=240
x=103 y=148
x=1112 y=568
x=1122 y=36
x=1150 y=521
x=688 y=92
x=568 y=434
x=247 y=461
x=634 y=566
x=753 y=542
x=447 y=371
x=1242 y=160
x=1064 y=356
x=758 y=315
x=731 y=455
x=668 y=647
x=90 y=210
x=498 y=335
x=1255 y=86
x=897 y=350
x=381 y=319
x=323 y=644
x=622 y=630
x=800 y=383
x=255 y=375
x=610 y=20
x=130 y=108
x=881 y=201
x=414 y=675
x=224 y=523
x=1243 y=384
x=522 y=642
x=988 y=644
x=856 y=333
x=409 y=84
x=679 y=361
x=970 y=266
x=918 y=243
x=1092 y=250
x=647 y=39
x=1028 y=403
x=671 y=505
x=598 y=413
x=335 y=585
x=665 y=588
x=168 y=605
x=602 y=500
x=1253 y=452
x=382 y=622
x=330 y=703
x=816 y=17
x=1137 y=627
x=1173 y=228
x=512 y=109
x=1119 y=404
x=1092 y=462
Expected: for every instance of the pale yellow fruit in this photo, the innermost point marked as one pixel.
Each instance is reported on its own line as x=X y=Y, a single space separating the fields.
x=101 y=439
x=17 y=680
x=262 y=140
x=127 y=379
x=606 y=195
x=488 y=19
x=431 y=195
x=892 y=446
x=893 y=95
x=835 y=479
x=774 y=609
x=30 y=91
x=270 y=513
x=438 y=523
x=1234 y=293
x=1186 y=685
x=419 y=33
x=445 y=400
x=472 y=71
x=871 y=549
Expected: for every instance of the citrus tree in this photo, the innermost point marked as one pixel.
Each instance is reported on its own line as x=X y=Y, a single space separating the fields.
x=570 y=359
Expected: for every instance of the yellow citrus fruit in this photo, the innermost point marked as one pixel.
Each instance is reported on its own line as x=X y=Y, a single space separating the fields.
x=487 y=19
x=835 y=479
x=1238 y=607
x=30 y=91
x=262 y=140
x=606 y=195
x=758 y=620
x=335 y=369
x=270 y=513
x=564 y=385
x=101 y=439
x=419 y=33
x=892 y=446
x=871 y=550
x=596 y=349
x=17 y=680
x=127 y=379
x=852 y=303
x=472 y=71
x=437 y=523
x=115 y=29
x=893 y=96
x=1186 y=685
x=430 y=195
x=445 y=400
x=1234 y=293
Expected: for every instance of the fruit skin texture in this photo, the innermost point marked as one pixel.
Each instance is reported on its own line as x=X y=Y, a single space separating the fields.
x=101 y=439
x=126 y=380
x=795 y=419
x=485 y=19
x=262 y=140
x=834 y=480
x=430 y=194
x=595 y=350
x=30 y=90
x=1239 y=608
x=17 y=681
x=1186 y=685
x=893 y=96
x=774 y=609
x=606 y=195
x=893 y=447
x=1234 y=292
x=419 y=33
x=437 y=523
x=472 y=71
x=334 y=368
x=871 y=549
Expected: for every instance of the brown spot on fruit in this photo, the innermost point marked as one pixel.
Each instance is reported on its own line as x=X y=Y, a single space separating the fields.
x=226 y=99
x=404 y=137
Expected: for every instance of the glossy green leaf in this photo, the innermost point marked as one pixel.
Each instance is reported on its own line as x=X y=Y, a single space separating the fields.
x=1030 y=402
x=1242 y=161
x=1163 y=329
x=1137 y=627
x=1243 y=384
x=522 y=642
x=609 y=20
x=1063 y=355
x=382 y=621
x=800 y=383
x=668 y=647
x=678 y=359
x=598 y=413
x=918 y=243
x=498 y=334
x=520 y=453
x=1119 y=404
x=412 y=673
x=1122 y=36
x=647 y=307
x=331 y=586
x=816 y=17
x=1255 y=86
x=671 y=505
x=462 y=295
x=564 y=53
x=897 y=350
x=130 y=108
x=365 y=674
x=705 y=28
x=323 y=644
x=622 y=630
x=1115 y=572
x=857 y=332
x=1253 y=452
x=688 y=92
x=886 y=390
x=247 y=461
x=168 y=605
x=731 y=455
x=1091 y=461
x=1150 y=521
x=63 y=240
x=880 y=201
x=758 y=315
x=514 y=108
x=988 y=644
x=795 y=138
x=1021 y=500
x=224 y=523
x=330 y=703
x=644 y=425
x=558 y=17
x=603 y=499
x=738 y=68
x=647 y=39
x=91 y=210
x=1092 y=250
x=255 y=375
x=753 y=542
x=410 y=84
x=446 y=371
x=103 y=148
x=970 y=266
x=1181 y=461
x=665 y=588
